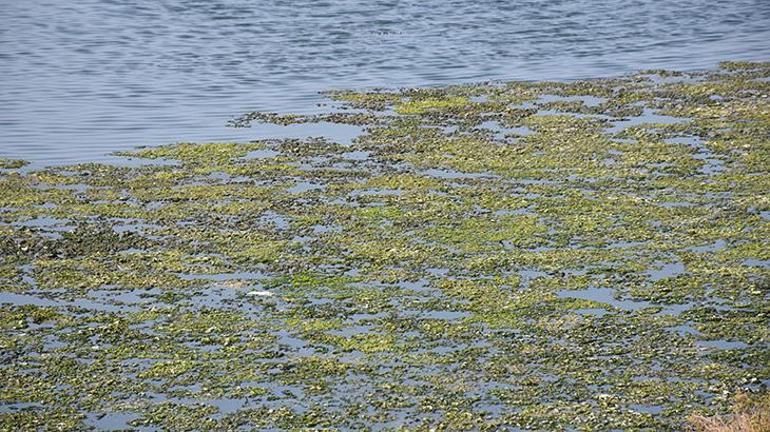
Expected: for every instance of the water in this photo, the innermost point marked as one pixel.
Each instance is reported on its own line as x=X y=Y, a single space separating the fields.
x=79 y=79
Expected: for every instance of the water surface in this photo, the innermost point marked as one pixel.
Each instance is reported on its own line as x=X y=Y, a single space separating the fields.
x=83 y=78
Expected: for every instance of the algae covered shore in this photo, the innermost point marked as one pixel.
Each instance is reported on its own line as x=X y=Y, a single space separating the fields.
x=587 y=255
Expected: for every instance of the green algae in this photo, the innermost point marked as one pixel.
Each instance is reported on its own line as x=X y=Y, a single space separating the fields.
x=585 y=255
x=12 y=163
x=433 y=105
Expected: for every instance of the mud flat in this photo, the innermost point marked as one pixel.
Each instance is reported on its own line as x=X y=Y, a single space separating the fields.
x=588 y=255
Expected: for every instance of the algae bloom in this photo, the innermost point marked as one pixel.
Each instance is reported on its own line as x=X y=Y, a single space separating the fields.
x=587 y=255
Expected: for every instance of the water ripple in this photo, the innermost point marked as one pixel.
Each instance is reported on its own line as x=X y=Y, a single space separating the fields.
x=80 y=79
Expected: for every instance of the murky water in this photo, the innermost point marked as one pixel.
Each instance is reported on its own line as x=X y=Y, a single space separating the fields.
x=81 y=79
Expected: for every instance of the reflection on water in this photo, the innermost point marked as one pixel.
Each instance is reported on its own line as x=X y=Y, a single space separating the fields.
x=81 y=79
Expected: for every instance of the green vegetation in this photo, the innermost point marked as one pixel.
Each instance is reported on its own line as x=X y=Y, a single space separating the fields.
x=589 y=255
x=11 y=163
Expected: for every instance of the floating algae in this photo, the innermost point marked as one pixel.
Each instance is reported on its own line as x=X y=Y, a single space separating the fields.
x=588 y=255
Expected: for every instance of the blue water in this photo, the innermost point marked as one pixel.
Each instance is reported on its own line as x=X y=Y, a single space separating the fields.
x=82 y=78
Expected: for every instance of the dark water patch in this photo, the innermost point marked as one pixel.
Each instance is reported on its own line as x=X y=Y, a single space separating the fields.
x=357 y=155
x=305 y=186
x=597 y=312
x=606 y=296
x=236 y=276
x=113 y=421
x=589 y=101
x=626 y=244
x=684 y=330
x=334 y=132
x=647 y=409
x=529 y=275
x=449 y=174
x=262 y=154
x=134 y=226
x=107 y=305
x=377 y=192
x=722 y=344
x=711 y=163
x=19 y=406
x=665 y=270
x=25 y=299
x=122 y=297
x=757 y=263
x=676 y=204
x=648 y=116
x=48 y=223
x=609 y=297
x=714 y=247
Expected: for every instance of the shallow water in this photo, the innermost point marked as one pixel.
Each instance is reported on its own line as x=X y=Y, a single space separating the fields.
x=82 y=79
x=275 y=284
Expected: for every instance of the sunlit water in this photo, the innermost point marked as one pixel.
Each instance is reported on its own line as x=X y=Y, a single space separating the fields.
x=80 y=79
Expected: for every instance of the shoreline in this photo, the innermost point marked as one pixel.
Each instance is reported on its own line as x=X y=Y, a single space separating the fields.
x=318 y=103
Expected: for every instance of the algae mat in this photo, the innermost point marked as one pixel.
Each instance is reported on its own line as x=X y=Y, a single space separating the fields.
x=586 y=255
